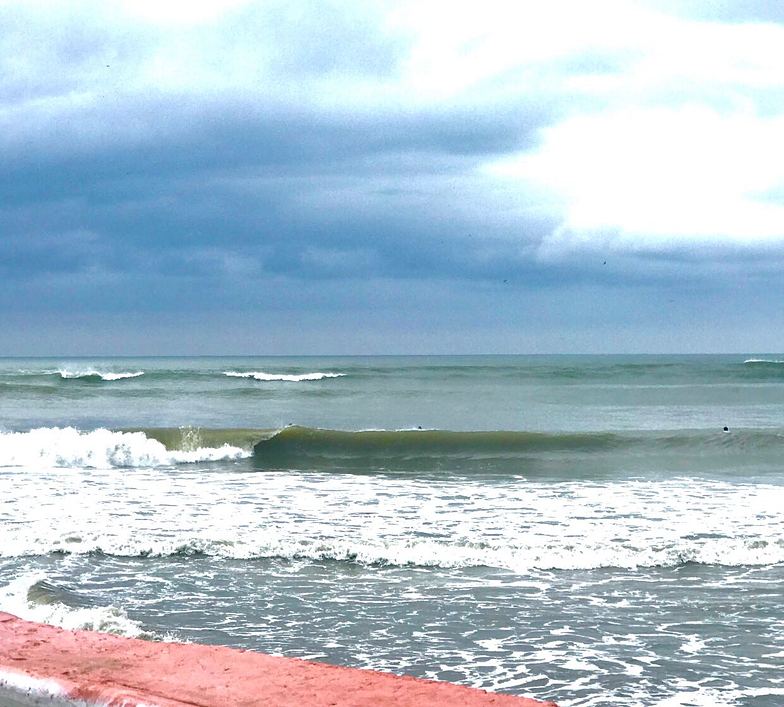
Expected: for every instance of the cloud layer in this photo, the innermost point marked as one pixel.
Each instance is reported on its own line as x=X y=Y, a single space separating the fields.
x=389 y=176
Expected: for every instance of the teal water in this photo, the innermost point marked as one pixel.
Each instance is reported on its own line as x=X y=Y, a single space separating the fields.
x=529 y=393
x=581 y=529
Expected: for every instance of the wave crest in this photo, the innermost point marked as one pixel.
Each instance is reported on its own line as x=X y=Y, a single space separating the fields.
x=92 y=374
x=287 y=377
x=728 y=552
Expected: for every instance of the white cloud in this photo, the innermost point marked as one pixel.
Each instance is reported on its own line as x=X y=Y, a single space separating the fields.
x=456 y=47
x=663 y=175
x=682 y=146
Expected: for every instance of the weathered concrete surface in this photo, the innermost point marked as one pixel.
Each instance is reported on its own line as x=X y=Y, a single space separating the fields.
x=69 y=667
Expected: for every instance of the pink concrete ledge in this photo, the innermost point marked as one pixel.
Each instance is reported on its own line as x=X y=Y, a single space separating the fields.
x=42 y=664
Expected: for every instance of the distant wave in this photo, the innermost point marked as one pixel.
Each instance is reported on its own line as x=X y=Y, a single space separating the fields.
x=91 y=373
x=101 y=449
x=763 y=361
x=288 y=377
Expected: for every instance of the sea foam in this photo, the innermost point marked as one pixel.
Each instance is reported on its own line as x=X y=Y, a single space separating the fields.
x=563 y=555
x=17 y=598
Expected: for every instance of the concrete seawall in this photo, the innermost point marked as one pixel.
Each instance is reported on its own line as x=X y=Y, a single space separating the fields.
x=44 y=665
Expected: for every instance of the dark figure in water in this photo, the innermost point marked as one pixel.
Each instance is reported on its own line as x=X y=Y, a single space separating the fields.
x=726 y=429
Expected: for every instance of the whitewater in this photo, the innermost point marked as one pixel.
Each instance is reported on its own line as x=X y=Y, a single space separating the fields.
x=581 y=529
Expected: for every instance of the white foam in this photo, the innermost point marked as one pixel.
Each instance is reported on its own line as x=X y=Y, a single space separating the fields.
x=19 y=689
x=291 y=378
x=92 y=373
x=107 y=619
x=99 y=449
x=120 y=376
x=698 y=696
x=763 y=360
x=401 y=522
x=693 y=644
x=366 y=551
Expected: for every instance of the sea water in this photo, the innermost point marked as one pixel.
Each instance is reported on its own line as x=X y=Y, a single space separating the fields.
x=575 y=528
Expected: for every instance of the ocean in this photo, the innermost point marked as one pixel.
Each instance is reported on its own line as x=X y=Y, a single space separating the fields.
x=581 y=529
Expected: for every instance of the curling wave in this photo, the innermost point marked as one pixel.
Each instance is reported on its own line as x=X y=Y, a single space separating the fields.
x=409 y=451
x=497 y=451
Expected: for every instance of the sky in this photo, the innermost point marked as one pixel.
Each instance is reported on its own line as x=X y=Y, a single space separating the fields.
x=324 y=177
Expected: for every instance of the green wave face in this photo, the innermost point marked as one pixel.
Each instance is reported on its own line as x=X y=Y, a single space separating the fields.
x=580 y=455
x=417 y=450
x=574 y=455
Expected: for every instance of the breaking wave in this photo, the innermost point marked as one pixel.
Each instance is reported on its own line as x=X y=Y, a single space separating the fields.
x=101 y=449
x=33 y=598
x=92 y=374
x=409 y=451
x=553 y=555
x=288 y=377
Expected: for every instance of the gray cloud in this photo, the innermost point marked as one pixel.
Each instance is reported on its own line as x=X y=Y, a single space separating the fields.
x=274 y=164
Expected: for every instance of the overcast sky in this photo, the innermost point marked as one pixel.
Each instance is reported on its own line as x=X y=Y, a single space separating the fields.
x=391 y=177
